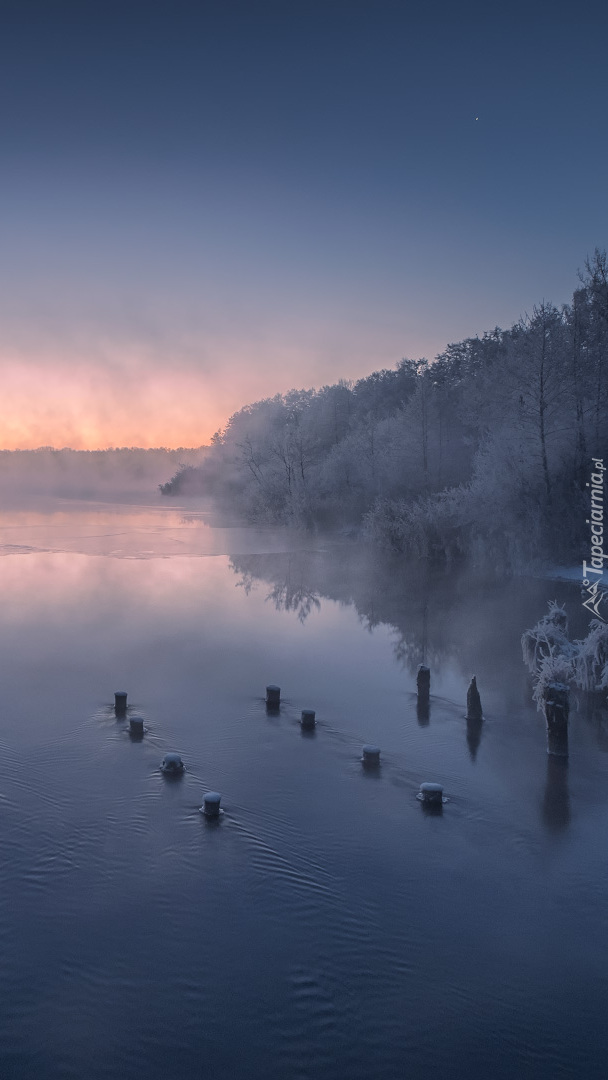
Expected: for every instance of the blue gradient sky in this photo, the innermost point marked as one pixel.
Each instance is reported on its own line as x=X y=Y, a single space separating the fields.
x=203 y=204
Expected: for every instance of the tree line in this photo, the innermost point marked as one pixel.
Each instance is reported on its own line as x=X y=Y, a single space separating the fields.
x=483 y=452
x=84 y=473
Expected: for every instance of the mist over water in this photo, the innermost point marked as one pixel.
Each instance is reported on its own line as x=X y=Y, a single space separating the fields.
x=326 y=926
x=27 y=477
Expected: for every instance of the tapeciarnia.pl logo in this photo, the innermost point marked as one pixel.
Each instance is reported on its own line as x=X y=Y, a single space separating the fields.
x=593 y=586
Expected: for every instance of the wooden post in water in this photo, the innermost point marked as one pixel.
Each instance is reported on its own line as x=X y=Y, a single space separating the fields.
x=120 y=702
x=273 y=697
x=556 y=706
x=474 y=711
x=423 y=684
x=211 y=804
x=431 y=795
x=136 y=727
x=371 y=756
x=423 y=689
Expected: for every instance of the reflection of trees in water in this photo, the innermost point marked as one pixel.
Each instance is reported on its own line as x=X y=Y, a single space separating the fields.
x=414 y=650
x=382 y=593
x=290 y=591
x=436 y=616
x=248 y=582
x=292 y=597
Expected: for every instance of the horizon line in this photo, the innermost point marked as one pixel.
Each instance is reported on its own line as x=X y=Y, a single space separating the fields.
x=98 y=449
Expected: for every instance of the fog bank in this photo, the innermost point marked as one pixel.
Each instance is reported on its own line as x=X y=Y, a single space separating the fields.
x=87 y=473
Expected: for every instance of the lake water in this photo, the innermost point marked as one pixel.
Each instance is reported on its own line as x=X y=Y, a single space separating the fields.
x=327 y=927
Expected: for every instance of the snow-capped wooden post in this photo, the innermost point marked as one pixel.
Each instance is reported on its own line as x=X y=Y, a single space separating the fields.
x=211 y=804
x=120 y=702
x=556 y=707
x=308 y=720
x=273 y=698
x=371 y=756
x=136 y=727
x=431 y=795
x=474 y=711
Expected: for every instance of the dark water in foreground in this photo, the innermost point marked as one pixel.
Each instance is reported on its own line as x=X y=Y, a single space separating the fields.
x=326 y=927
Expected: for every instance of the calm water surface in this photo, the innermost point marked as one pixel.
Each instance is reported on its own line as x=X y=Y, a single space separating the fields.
x=326 y=927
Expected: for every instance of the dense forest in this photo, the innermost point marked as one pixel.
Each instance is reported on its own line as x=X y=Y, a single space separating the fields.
x=483 y=453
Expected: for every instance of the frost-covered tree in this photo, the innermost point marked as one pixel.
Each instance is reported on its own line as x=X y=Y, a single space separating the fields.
x=480 y=453
x=552 y=658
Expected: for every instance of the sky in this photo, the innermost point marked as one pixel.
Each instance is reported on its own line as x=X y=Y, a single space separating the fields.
x=204 y=204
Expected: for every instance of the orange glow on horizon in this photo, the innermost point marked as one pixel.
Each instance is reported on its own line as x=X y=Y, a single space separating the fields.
x=90 y=407
x=110 y=396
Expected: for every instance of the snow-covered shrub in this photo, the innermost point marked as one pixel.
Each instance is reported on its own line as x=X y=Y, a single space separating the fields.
x=548 y=640
x=548 y=653
x=591 y=659
x=430 y=527
x=552 y=669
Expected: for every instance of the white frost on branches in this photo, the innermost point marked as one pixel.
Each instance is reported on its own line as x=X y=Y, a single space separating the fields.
x=591 y=659
x=552 y=658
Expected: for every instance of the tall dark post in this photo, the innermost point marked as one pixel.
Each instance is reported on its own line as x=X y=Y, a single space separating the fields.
x=474 y=711
x=120 y=703
x=556 y=706
x=423 y=682
x=423 y=689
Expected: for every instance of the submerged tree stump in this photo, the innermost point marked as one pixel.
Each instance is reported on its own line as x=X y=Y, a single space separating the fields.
x=474 y=711
x=556 y=705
